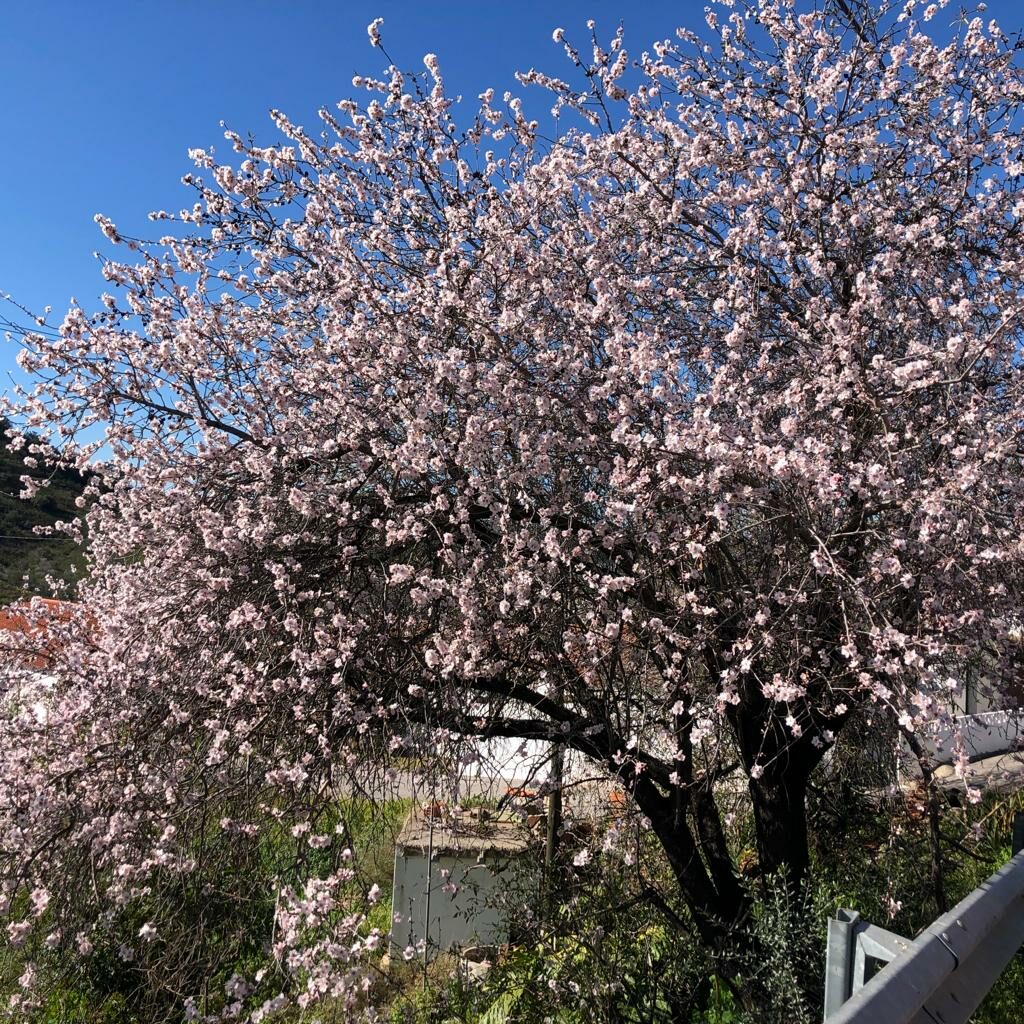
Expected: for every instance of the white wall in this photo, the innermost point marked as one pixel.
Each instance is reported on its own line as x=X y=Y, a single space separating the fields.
x=984 y=735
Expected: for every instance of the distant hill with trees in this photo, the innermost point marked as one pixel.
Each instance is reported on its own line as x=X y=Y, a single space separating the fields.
x=28 y=558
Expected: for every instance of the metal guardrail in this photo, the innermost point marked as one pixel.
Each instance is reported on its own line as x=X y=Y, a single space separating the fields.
x=873 y=976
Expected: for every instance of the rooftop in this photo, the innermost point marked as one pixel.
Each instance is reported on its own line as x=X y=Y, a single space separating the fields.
x=466 y=832
x=25 y=630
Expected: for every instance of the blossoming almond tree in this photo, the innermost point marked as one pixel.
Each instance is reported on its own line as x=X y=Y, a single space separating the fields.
x=679 y=438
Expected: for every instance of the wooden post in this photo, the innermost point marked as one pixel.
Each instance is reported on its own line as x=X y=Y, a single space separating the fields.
x=554 y=826
x=1018 y=833
x=430 y=861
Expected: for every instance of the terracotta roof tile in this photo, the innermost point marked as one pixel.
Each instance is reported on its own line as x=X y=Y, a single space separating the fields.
x=24 y=629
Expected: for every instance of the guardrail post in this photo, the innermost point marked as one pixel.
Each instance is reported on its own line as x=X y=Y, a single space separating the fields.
x=839 y=959
x=855 y=952
x=1018 y=832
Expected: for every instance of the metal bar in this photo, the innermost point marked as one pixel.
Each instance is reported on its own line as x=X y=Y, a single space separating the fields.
x=860 y=968
x=839 y=960
x=853 y=948
x=873 y=945
x=880 y=943
x=898 y=993
x=967 y=986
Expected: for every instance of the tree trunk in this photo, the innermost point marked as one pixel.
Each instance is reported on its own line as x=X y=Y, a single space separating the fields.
x=715 y=913
x=716 y=853
x=708 y=882
x=780 y=823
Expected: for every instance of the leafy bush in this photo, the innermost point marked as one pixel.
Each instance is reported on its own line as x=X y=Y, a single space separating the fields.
x=238 y=912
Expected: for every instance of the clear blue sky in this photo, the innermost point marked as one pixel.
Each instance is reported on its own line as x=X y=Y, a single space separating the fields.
x=101 y=99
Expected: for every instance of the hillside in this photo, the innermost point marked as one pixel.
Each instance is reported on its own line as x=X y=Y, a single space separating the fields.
x=23 y=553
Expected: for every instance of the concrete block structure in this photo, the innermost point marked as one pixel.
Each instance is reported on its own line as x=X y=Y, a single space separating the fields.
x=461 y=880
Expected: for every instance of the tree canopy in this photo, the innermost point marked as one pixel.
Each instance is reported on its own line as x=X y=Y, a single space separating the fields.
x=679 y=436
